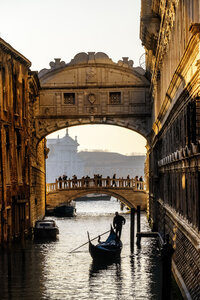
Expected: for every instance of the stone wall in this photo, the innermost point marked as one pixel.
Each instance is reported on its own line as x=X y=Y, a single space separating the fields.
x=170 y=32
x=21 y=157
x=38 y=192
x=14 y=143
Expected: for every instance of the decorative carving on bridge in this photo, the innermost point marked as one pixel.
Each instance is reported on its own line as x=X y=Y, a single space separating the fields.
x=125 y=62
x=92 y=98
x=57 y=64
x=87 y=58
x=91 y=75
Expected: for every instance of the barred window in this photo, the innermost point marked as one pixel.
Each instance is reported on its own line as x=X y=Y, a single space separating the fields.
x=69 y=98
x=115 y=98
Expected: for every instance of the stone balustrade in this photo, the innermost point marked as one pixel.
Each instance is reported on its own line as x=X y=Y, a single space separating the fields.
x=91 y=183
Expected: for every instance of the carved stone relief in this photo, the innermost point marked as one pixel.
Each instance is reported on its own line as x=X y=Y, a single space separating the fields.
x=91 y=75
x=91 y=98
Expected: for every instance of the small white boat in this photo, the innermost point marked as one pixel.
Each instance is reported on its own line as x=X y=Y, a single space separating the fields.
x=45 y=229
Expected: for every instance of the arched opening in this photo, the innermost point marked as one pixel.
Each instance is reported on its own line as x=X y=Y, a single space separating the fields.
x=97 y=152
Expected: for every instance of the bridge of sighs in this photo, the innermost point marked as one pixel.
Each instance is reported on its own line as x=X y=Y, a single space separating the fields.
x=92 y=89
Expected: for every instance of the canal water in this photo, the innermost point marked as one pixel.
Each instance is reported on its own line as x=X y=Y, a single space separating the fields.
x=48 y=270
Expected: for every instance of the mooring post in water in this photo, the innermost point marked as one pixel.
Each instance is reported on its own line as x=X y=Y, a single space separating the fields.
x=166 y=254
x=132 y=229
x=138 y=226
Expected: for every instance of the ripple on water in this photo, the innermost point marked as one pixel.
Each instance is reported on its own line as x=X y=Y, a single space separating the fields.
x=49 y=271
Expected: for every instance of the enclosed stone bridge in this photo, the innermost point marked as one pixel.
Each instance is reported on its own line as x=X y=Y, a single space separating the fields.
x=92 y=89
x=129 y=191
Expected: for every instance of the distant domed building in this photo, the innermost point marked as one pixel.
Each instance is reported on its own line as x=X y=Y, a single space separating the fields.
x=63 y=158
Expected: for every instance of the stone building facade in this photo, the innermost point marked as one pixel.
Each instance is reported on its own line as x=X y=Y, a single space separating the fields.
x=170 y=33
x=18 y=89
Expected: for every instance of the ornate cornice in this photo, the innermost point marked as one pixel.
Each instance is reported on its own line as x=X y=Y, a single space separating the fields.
x=89 y=59
x=167 y=13
x=149 y=26
x=18 y=56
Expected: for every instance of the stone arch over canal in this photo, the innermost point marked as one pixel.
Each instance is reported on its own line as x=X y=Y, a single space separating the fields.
x=128 y=197
x=92 y=89
x=132 y=192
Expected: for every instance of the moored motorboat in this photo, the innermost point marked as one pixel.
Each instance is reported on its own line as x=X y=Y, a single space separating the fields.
x=107 y=251
x=45 y=229
x=65 y=210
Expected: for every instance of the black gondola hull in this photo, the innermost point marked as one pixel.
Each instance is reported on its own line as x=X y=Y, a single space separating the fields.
x=100 y=254
x=107 y=251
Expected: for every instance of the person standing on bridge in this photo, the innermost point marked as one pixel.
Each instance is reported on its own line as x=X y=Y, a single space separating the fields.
x=118 y=221
x=114 y=182
x=60 y=182
x=141 y=182
x=108 y=181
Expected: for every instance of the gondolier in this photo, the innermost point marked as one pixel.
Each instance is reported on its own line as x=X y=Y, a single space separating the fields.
x=118 y=221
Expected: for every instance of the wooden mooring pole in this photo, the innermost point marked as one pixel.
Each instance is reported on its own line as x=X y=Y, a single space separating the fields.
x=166 y=254
x=132 y=229
x=138 y=226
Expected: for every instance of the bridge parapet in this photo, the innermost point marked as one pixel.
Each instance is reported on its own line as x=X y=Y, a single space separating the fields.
x=91 y=183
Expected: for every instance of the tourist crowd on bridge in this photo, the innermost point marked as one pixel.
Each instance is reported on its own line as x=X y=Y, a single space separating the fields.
x=97 y=181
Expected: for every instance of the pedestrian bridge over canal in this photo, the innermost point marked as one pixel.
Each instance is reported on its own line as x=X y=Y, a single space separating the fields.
x=129 y=191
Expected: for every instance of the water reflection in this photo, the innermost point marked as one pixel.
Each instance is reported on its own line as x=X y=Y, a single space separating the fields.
x=112 y=280
x=40 y=271
x=96 y=267
x=19 y=273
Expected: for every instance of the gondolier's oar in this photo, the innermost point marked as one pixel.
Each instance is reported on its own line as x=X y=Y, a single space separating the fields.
x=88 y=241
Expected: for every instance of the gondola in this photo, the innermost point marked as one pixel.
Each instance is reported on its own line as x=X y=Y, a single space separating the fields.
x=107 y=251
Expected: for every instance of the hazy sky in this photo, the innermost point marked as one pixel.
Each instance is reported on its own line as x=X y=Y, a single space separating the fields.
x=42 y=30
x=105 y=137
